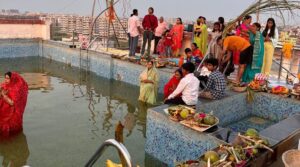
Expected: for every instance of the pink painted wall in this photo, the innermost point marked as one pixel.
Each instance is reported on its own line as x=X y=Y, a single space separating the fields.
x=25 y=31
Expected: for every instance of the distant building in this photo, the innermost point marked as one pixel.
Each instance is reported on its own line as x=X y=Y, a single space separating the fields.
x=23 y=27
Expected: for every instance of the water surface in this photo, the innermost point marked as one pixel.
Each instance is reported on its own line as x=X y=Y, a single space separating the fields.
x=70 y=113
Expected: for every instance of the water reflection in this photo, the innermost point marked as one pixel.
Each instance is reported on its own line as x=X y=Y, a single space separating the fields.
x=130 y=119
x=14 y=150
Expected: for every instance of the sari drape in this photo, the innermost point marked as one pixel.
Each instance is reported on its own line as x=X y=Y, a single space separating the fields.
x=257 y=40
x=170 y=86
x=177 y=36
x=11 y=117
x=149 y=91
x=201 y=40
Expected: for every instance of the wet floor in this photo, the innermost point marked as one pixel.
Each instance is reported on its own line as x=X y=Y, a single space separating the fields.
x=69 y=114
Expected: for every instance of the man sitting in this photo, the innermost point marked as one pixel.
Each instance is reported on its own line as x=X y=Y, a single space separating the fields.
x=216 y=83
x=188 y=86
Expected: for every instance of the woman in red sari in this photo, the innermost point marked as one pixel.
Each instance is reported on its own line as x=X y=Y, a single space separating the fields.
x=13 y=100
x=177 y=36
x=173 y=83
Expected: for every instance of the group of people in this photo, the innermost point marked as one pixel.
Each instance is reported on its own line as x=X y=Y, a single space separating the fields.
x=184 y=86
x=166 y=41
x=246 y=46
x=251 y=49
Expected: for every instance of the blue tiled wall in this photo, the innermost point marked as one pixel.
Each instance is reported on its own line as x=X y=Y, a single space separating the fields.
x=100 y=63
x=171 y=142
x=229 y=109
x=274 y=107
x=10 y=48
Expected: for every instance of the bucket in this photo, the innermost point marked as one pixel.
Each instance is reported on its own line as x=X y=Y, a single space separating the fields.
x=291 y=158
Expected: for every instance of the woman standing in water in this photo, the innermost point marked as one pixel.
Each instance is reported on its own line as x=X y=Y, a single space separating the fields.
x=149 y=84
x=13 y=101
x=271 y=38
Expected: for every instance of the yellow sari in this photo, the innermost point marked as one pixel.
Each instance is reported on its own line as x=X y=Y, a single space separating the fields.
x=201 y=40
x=148 y=91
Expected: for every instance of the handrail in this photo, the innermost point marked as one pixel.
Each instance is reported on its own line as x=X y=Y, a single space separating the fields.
x=90 y=44
x=102 y=148
x=282 y=68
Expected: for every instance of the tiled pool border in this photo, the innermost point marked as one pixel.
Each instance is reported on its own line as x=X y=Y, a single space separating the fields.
x=100 y=63
x=169 y=141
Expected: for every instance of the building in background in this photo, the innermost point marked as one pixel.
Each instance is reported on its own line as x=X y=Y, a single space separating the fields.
x=17 y=26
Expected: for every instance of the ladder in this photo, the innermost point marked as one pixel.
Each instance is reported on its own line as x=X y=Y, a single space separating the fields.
x=110 y=142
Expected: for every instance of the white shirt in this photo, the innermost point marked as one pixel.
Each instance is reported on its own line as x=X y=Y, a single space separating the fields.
x=275 y=38
x=133 y=24
x=189 y=87
x=204 y=71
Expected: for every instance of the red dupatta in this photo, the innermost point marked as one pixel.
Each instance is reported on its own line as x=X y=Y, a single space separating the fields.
x=171 y=86
x=11 y=117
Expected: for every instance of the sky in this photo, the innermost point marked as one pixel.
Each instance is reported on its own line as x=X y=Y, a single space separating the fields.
x=187 y=9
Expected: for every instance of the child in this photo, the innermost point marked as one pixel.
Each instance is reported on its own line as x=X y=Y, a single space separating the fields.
x=216 y=83
x=204 y=74
x=164 y=45
x=188 y=55
x=168 y=43
x=196 y=53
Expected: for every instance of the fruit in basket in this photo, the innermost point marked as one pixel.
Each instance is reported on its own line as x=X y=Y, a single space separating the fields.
x=199 y=117
x=209 y=120
x=252 y=133
x=254 y=85
x=265 y=142
x=212 y=155
x=280 y=90
x=254 y=151
x=231 y=158
x=184 y=113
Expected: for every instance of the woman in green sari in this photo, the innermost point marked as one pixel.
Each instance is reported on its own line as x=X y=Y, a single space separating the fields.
x=257 y=40
x=149 y=84
x=201 y=34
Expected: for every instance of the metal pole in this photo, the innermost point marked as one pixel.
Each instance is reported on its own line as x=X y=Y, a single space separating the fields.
x=73 y=38
x=92 y=22
x=280 y=66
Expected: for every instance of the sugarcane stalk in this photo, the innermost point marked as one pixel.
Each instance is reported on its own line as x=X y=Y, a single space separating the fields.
x=256 y=142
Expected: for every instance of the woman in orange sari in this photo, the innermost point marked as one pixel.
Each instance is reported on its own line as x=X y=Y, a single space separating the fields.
x=177 y=36
x=13 y=100
x=173 y=83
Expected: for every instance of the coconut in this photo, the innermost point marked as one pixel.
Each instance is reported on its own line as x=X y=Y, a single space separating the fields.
x=212 y=155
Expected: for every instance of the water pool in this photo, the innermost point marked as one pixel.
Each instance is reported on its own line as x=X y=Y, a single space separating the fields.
x=70 y=113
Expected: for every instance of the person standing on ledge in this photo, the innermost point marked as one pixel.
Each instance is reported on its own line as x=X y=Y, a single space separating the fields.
x=134 y=30
x=160 y=30
x=188 y=87
x=271 y=39
x=149 y=23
